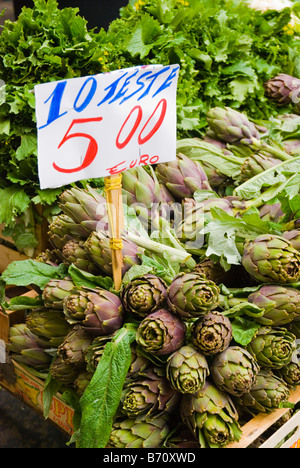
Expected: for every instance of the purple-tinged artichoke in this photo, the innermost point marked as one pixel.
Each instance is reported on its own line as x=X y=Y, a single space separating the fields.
x=86 y=207
x=281 y=304
x=212 y=333
x=74 y=253
x=28 y=348
x=74 y=346
x=231 y=126
x=256 y=164
x=191 y=295
x=271 y=213
x=149 y=396
x=56 y=290
x=294 y=237
x=182 y=177
x=282 y=88
x=99 y=249
x=292 y=146
x=211 y=416
x=187 y=370
x=62 y=229
x=266 y=395
x=161 y=333
x=63 y=372
x=271 y=259
x=234 y=370
x=131 y=434
x=144 y=295
x=190 y=222
x=99 y=311
x=272 y=347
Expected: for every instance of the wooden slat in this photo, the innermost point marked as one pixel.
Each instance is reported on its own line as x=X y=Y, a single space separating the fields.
x=10 y=318
x=261 y=422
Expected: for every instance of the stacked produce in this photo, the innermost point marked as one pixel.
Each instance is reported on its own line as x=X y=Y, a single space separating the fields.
x=205 y=325
x=202 y=334
x=226 y=51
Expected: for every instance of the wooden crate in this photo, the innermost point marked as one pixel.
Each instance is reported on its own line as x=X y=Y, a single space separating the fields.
x=8 y=250
x=262 y=421
x=29 y=389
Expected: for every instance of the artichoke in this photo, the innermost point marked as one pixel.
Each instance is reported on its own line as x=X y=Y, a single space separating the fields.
x=281 y=304
x=95 y=351
x=82 y=381
x=191 y=295
x=212 y=333
x=148 y=396
x=290 y=373
x=211 y=416
x=63 y=372
x=256 y=164
x=231 y=126
x=187 y=370
x=99 y=311
x=74 y=253
x=266 y=394
x=49 y=324
x=181 y=438
x=213 y=271
x=191 y=221
x=271 y=213
x=161 y=332
x=234 y=370
x=282 y=88
x=182 y=177
x=28 y=348
x=294 y=237
x=98 y=247
x=294 y=327
x=273 y=348
x=73 y=348
x=144 y=295
x=86 y=207
x=62 y=229
x=271 y=259
x=131 y=434
x=55 y=292
x=292 y=146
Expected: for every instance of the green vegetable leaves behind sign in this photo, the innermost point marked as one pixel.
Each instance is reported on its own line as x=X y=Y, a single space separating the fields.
x=101 y=399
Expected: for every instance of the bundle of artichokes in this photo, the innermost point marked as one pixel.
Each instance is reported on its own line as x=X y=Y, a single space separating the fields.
x=215 y=335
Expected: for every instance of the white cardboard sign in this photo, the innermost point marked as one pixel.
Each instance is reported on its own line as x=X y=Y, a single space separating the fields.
x=104 y=124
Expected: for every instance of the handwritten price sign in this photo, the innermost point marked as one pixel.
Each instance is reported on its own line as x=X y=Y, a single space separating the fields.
x=104 y=124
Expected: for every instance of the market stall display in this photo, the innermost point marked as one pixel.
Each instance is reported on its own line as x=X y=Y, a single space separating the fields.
x=202 y=336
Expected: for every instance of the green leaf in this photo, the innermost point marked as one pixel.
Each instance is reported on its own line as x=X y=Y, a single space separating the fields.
x=51 y=388
x=83 y=278
x=244 y=330
x=27 y=272
x=14 y=201
x=101 y=399
x=23 y=303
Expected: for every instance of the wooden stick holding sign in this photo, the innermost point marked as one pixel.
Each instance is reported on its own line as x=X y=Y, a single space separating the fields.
x=113 y=189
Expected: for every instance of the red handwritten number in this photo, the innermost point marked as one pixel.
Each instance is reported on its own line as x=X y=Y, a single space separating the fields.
x=92 y=148
x=157 y=125
x=134 y=128
x=142 y=140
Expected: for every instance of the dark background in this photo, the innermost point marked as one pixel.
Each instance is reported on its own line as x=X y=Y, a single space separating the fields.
x=98 y=13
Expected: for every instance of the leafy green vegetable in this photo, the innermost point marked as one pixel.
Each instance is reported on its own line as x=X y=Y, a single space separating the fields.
x=101 y=399
x=243 y=330
x=27 y=272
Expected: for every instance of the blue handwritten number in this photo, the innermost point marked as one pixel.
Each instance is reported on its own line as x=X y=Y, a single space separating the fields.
x=89 y=97
x=55 y=97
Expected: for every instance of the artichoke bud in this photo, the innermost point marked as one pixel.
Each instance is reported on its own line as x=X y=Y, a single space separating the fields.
x=187 y=370
x=192 y=295
x=161 y=332
x=212 y=333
